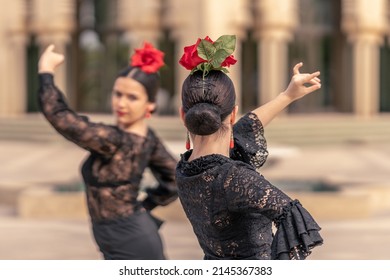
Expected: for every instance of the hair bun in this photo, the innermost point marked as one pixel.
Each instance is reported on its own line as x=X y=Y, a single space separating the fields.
x=203 y=119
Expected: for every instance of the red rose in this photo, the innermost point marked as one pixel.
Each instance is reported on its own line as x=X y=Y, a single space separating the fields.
x=230 y=60
x=191 y=59
x=149 y=59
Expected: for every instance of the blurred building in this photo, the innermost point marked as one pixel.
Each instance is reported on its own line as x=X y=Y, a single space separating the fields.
x=347 y=40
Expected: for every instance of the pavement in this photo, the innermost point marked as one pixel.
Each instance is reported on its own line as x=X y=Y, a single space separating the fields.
x=359 y=166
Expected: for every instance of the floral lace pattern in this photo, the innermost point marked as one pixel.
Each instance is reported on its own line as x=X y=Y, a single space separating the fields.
x=113 y=171
x=232 y=207
x=250 y=145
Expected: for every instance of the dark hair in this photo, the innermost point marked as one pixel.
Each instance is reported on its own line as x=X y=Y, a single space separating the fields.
x=151 y=82
x=207 y=102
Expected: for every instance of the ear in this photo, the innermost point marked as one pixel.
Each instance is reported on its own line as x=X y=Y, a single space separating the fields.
x=182 y=114
x=151 y=107
x=233 y=115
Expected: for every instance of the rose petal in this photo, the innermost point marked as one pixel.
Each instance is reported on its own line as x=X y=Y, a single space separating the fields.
x=149 y=59
x=230 y=60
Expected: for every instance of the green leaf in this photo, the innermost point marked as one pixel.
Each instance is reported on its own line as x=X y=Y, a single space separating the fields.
x=223 y=69
x=206 y=50
x=215 y=53
x=227 y=43
x=219 y=57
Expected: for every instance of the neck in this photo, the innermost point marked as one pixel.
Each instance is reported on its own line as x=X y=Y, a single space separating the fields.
x=139 y=127
x=211 y=144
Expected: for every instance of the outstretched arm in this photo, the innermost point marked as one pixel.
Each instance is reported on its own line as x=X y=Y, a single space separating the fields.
x=295 y=90
x=95 y=137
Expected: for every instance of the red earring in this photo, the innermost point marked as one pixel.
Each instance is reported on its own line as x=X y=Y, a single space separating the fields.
x=188 y=141
x=231 y=140
x=148 y=115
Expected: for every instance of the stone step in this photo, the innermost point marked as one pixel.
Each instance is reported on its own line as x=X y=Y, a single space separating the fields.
x=354 y=202
x=294 y=130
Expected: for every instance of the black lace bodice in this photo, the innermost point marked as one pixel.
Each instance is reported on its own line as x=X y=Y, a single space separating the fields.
x=232 y=207
x=117 y=160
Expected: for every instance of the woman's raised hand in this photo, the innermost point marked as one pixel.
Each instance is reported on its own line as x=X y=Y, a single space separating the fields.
x=302 y=84
x=49 y=60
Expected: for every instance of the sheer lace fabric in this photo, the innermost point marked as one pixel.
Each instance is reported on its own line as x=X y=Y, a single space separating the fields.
x=117 y=160
x=250 y=145
x=232 y=207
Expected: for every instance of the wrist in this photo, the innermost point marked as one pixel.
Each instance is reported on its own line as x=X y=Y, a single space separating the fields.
x=45 y=70
x=285 y=98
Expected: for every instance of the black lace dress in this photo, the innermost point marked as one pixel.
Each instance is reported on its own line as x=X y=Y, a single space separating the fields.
x=122 y=225
x=232 y=207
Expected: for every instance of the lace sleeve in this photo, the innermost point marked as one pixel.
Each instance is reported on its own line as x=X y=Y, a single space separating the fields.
x=250 y=145
x=163 y=165
x=247 y=190
x=100 y=138
x=297 y=232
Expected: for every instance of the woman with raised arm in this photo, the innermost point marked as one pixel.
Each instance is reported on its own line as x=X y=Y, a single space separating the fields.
x=119 y=154
x=231 y=206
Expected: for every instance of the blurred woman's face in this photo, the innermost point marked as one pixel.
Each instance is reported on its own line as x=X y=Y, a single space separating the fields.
x=130 y=101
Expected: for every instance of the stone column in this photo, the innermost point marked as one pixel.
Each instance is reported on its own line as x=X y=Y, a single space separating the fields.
x=181 y=18
x=17 y=74
x=3 y=85
x=13 y=39
x=140 y=20
x=366 y=75
x=233 y=18
x=189 y=20
x=53 y=22
x=275 y=24
x=365 y=22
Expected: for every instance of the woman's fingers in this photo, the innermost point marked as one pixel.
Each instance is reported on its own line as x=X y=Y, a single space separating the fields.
x=296 y=68
x=312 y=76
x=312 y=88
x=317 y=80
x=49 y=60
x=312 y=82
x=50 y=48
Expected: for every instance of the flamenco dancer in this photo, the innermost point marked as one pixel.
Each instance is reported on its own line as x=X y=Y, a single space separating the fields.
x=122 y=225
x=231 y=206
